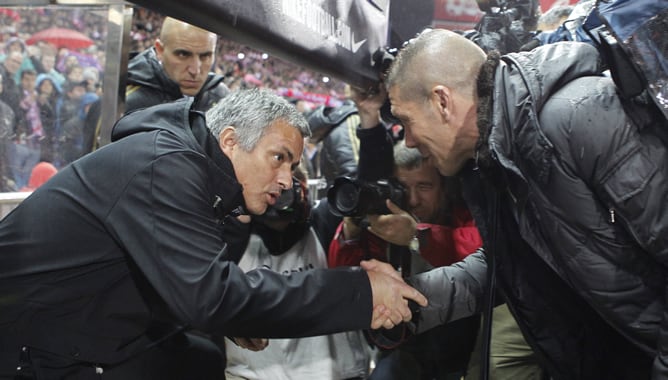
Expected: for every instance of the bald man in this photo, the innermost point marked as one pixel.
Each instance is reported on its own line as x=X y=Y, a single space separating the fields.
x=567 y=190
x=179 y=64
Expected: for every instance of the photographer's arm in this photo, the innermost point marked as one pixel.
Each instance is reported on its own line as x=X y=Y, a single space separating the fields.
x=368 y=106
x=376 y=145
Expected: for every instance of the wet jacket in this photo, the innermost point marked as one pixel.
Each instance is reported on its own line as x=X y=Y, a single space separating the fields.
x=128 y=238
x=148 y=85
x=569 y=197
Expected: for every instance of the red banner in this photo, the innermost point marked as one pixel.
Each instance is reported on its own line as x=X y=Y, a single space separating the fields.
x=456 y=14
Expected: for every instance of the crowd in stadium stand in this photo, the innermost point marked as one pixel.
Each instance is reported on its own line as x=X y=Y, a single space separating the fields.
x=48 y=86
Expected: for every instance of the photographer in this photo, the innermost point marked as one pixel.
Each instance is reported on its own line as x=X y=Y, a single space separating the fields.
x=437 y=229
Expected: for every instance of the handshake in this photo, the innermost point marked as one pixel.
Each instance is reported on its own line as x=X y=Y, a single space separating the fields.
x=391 y=295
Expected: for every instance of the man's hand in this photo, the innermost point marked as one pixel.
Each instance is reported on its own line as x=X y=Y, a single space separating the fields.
x=245 y=219
x=253 y=344
x=369 y=103
x=390 y=295
x=397 y=228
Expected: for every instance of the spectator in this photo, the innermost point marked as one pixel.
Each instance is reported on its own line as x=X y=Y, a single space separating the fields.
x=49 y=100
x=72 y=134
x=11 y=93
x=6 y=135
x=48 y=61
x=15 y=44
x=91 y=76
x=41 y=173
x=29 y=131
x=74 y=72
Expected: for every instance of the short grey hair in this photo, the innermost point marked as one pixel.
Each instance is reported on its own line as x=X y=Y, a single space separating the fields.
x=405 y=157
x=251 y=112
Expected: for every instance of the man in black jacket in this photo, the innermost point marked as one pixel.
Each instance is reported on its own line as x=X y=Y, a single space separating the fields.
x=104 y=267
x=177 y=65
x=567 y=190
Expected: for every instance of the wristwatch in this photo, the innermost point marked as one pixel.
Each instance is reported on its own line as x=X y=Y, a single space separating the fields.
x=414 y=245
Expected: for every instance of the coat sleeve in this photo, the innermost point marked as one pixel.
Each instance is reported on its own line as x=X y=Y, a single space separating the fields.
x=454 y=291
x=166 y=224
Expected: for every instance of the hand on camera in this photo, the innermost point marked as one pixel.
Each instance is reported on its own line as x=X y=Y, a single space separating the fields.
x=369 y=103
x=398 y=228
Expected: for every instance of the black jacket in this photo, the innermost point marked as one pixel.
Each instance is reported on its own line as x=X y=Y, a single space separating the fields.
x=148 y=85
x=127 y=238
x=569 y=197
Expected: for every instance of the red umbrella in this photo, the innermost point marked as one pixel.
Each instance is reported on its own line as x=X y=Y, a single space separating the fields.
x=14 y=15
x=61 y=37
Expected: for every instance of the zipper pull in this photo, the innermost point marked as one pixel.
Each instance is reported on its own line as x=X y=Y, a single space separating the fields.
x=612 y=215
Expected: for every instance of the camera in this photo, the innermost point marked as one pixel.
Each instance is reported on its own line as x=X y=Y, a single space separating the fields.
x=355 y=198
x=292 y=205
x=382 y=60
x=506 y=26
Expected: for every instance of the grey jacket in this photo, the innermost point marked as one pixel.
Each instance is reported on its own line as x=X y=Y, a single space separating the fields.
x=580 y=241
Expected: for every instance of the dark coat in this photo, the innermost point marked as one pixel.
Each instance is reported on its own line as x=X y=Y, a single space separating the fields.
x=149 y=85
x=127 y=238
x=569 y=199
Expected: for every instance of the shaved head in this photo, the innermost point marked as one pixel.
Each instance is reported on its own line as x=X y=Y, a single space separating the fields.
x=186 y=54
x=436 y=57
x=172 y=27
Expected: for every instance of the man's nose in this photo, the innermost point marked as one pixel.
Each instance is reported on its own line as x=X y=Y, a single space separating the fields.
x=195 y=65
x=413 y=199
x=285 y=178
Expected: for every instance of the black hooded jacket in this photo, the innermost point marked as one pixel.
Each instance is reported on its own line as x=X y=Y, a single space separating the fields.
x=149 y=85
x=128 y=237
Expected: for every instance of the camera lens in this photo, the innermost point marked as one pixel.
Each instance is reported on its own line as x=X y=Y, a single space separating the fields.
x=346 y=198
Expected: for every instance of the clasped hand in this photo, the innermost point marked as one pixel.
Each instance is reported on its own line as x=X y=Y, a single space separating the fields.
x=390 y=295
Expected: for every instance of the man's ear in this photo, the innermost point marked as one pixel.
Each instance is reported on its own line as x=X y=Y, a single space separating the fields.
x=228 y=140
x=159 y=49
x=442 y=100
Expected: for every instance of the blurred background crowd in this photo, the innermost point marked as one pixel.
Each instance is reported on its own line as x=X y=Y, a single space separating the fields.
x=52 y=66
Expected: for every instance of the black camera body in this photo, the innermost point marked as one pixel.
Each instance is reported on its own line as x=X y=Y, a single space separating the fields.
x=356 y=198
x=506 y=26
x=292 y=205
